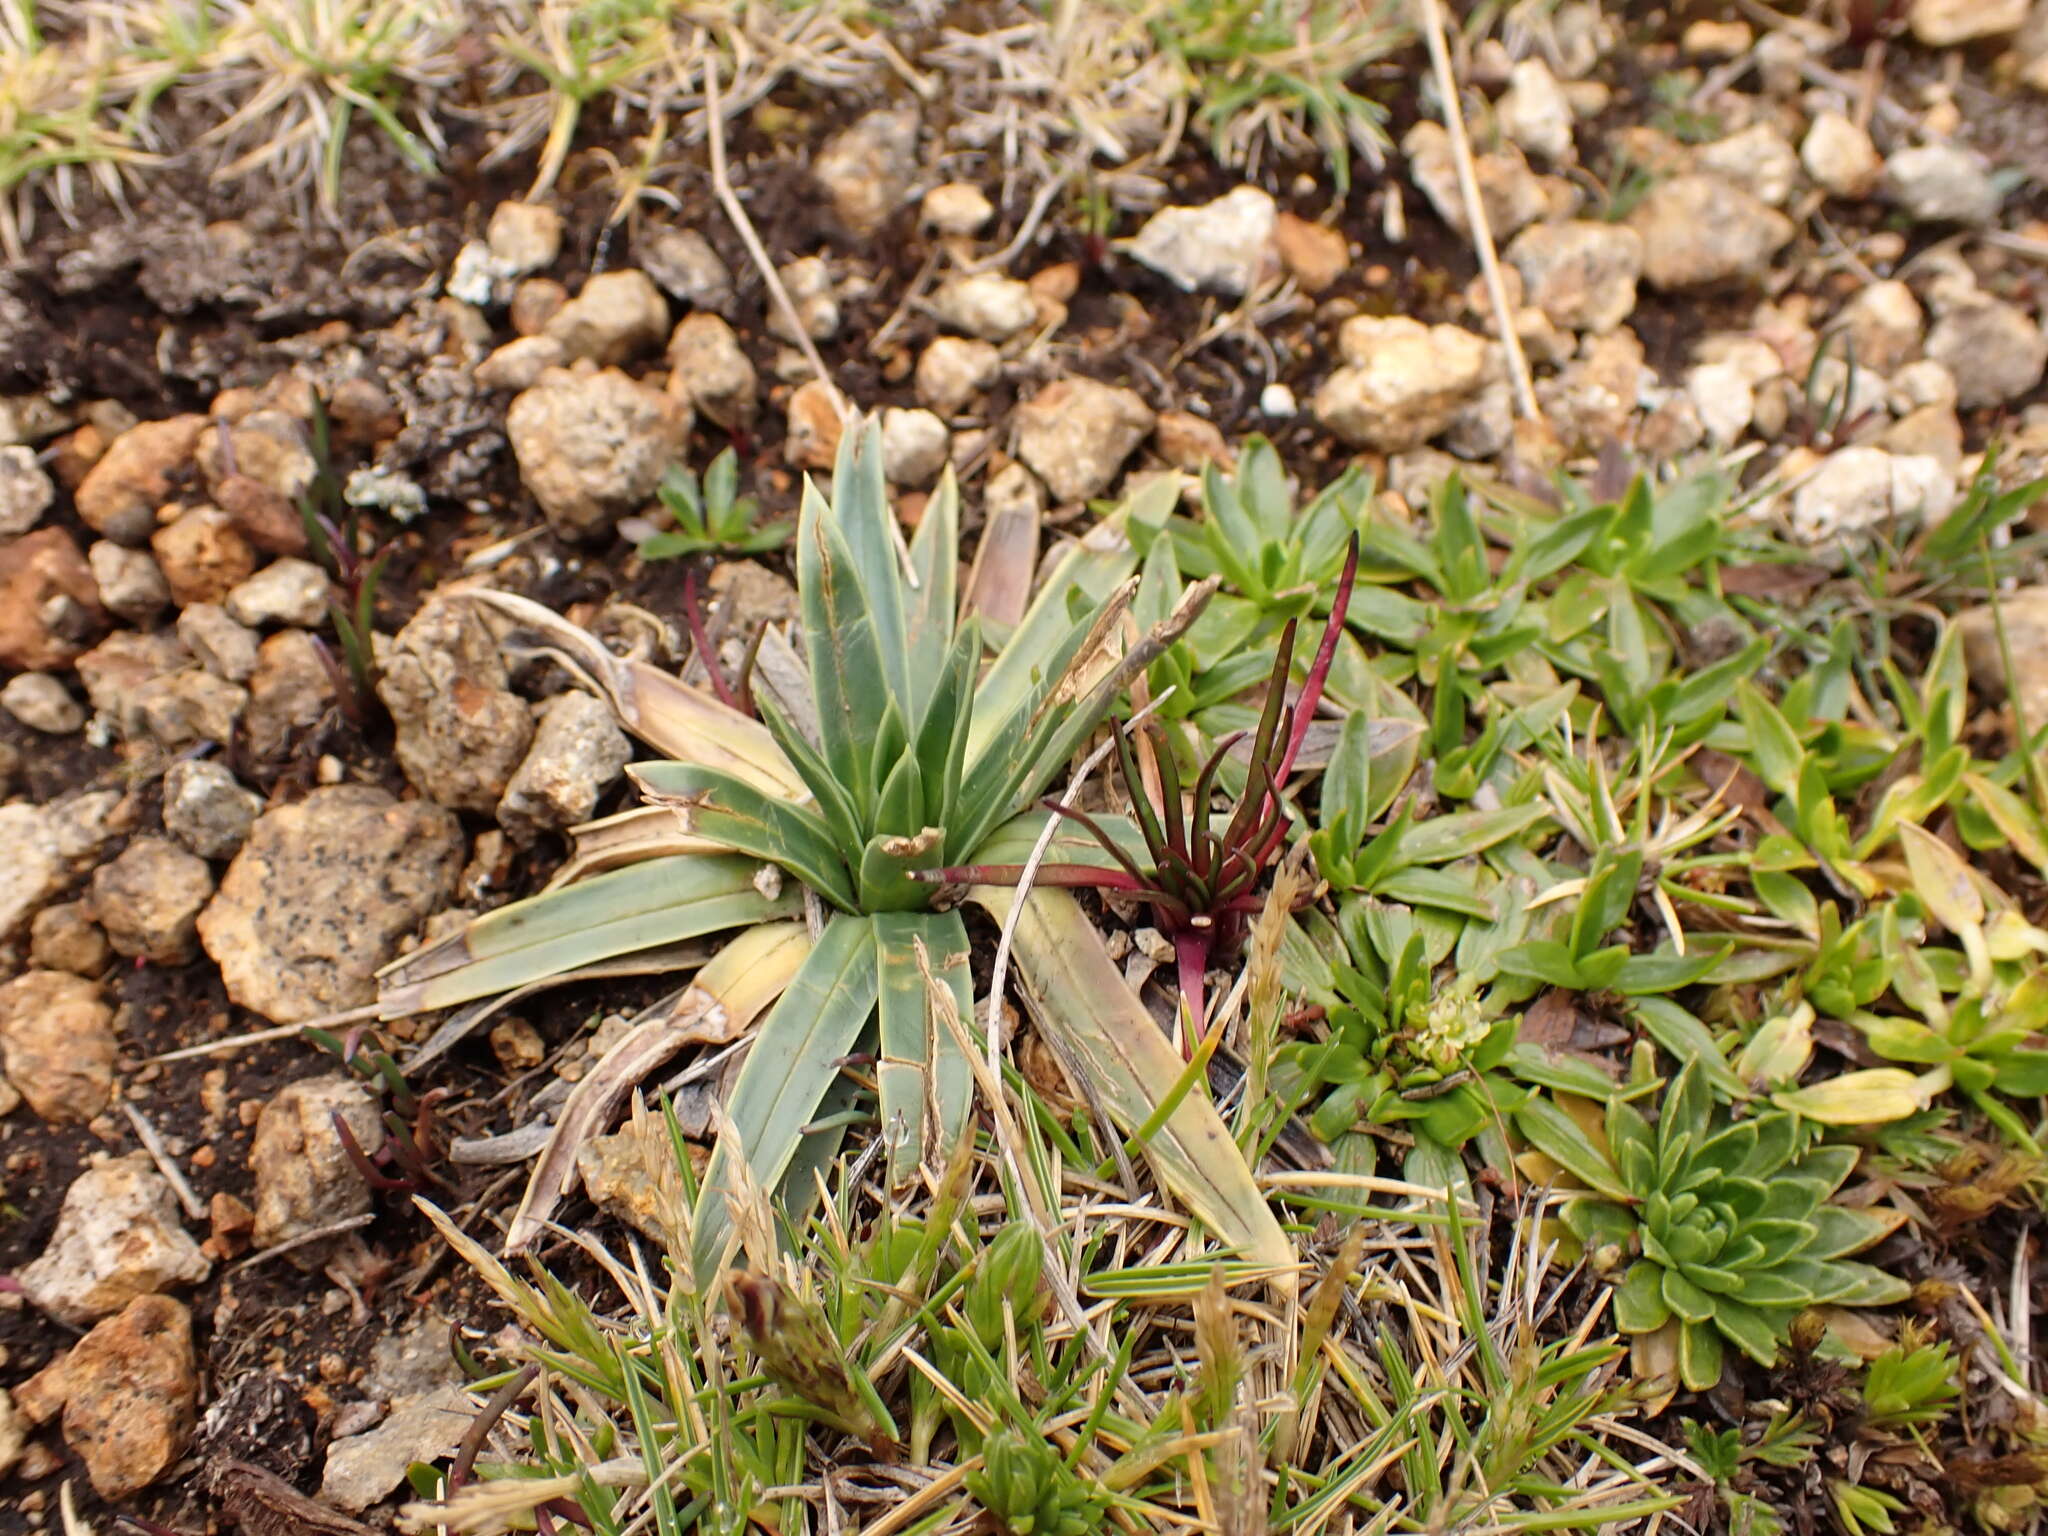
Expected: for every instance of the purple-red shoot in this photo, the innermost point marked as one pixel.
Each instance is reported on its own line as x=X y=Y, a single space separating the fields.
x=1203 y=884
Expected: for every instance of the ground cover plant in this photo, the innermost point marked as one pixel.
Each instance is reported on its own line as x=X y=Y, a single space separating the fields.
x=1388 y=971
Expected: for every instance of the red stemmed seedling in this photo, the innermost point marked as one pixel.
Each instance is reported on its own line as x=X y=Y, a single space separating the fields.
x=1203 y=885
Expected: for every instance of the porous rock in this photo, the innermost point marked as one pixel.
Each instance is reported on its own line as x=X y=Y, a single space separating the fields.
x=1076 y=433
x=118 y=1237
x=305 y=1179
x=57 y=1044
x=461 y=730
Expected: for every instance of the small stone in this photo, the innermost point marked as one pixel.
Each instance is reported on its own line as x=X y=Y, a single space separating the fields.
x=1757 y=159
x=1511 y=194
x=520 y=362
x=57 y=1044
x=149 y=900
x=866 y=169
x=1277 y=401
x=203 y=555
x=304 y=1177
x=49 y=603
x=1580 y=274
x=524 y=237
x=577 y=753
x=223 y=647
x=289 y=693
x=1946 y=23
x=1705 y=39
x=517 y=1045
x=130 y=1390
x=269 y=446
x=461 y=730
x=1402 y=382
x=1703 y=232
x=957 y=208
x=120 y=494
x=321 y=894
x=1224 y=246
x=986 y=304
x=266 y=516
x=808 y=282
x=1839 y=156
x=535 y=302
x=13 y=1433
x=34 y=869
x=294 y=592
x=131 y=585
x=118 y=1237
x=1923 y=383
x=683 y=262
x=42 y=703
x=189 y=705
x=706 y=361
x=206 y=809
x=1931 y=431
x=230 y=1222
x=1314 y=255
x=116 y=672
x=592 y=447
x=815 y=426
x=474 y=276
x=1188 y=442
x=618 y=316
x=1724 y=398
x=617 y=1175
x=915 y=446
x=1076 y=433
x=1881 y=325
x=1484 y=425
x=65 y=938
x=1855 y=489
x=1941 y=184
x=361 y=1469
x=1534 y=113
x=25 y=491
x=1995 y=352
x=952 y=370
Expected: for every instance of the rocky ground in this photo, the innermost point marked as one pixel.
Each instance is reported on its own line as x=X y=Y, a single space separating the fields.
x=1719 y=233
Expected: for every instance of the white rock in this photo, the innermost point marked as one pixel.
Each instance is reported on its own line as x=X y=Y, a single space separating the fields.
x=706 y=361
x=683 y=262
x=1945 y=23
x=618 y=316
x=1220 y=247
x=1883 y=324
x=1941 y=184
x=520 y=362
x=118 y=1237
x=42 y=703
x=808 y=282
x=986 y=304
x=866 y=169
x=223 y=647
x=1995 y=352
x=1855 y=489
x=1076 y=433
x=1402 y=382
x=1704 y=231
x=957 y=208
x=1535 y=114
x=1840 y=157
x=578 y=751
x=287 y=591
x=593 y=447
x=1581 y=273
x=1277 y=400
x=25 y=491
x=524 y=237
x=1724 y=398
x=1922 y=383
x=206 y=809
x=33 y=870
x=952 y=370
x=1757 y=159
x=915 y=445
x=131 y=583
x=473 y=275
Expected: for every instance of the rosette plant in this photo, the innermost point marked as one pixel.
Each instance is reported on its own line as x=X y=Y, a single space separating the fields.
x=905 y=757
x=1714 y=1228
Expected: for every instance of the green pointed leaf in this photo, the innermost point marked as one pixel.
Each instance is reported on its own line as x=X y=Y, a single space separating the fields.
x=1686 y=1039
x=922 y=1065
x=793 y=1060
x=731 y=811
x=1559 y=1137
